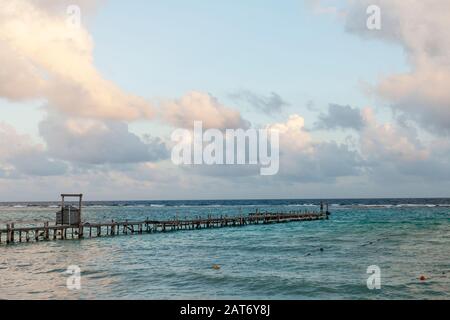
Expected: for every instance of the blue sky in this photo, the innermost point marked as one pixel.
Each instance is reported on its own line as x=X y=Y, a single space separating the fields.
x=169 y=48
x=340 y=80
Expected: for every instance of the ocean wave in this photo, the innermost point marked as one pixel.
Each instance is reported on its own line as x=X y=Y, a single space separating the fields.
x=98 y=206
x=390 y=206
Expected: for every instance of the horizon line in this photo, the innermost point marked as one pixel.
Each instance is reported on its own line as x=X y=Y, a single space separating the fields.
x=238 y=199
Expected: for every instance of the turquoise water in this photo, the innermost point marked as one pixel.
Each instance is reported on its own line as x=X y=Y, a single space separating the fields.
x=405 y=238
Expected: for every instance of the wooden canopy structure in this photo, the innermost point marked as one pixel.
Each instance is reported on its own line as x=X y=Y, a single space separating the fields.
x=69 y=214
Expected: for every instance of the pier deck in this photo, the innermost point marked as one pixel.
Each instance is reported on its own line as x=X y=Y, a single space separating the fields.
x=48 y=232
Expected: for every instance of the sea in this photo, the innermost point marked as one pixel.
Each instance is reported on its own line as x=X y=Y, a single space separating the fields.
x=368 y=249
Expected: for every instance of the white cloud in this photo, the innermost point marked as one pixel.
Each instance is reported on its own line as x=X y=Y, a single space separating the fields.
x=422 y=28
x=306 y=159
x=303 y=159
x=394 y=152
x=387 y=142
x=43 y=58
x=198 y=106
x=20 y=155
x=293 y=135
x=91 y=141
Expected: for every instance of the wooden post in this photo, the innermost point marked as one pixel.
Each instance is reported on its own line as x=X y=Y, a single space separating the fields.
x=79 y=205
x=46 y=231
x=62 y=209
x=8 y=234
x=80 y=230
x=113 y=229
x=12 y=232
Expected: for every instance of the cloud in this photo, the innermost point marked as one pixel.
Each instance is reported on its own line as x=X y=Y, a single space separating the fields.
x=293 y=135
x=19 y=155
x=395 y=153
x=89 y=147
x=226 y=172
x=91 y=141
x=43 y=58
x=273 y=103
x=382 y=151
x=86 y=6
x=422 y=28
x=37 y=163
x=198 y=106
x=381 y=142
x=304 y=159
x=340 y=117
x=140 y=181
x=387 y=142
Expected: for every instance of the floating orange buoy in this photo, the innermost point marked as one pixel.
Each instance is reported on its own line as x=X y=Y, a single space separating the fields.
x=422 y=278
x=216 y=267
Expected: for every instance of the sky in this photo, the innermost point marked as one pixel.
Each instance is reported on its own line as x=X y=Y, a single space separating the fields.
x=90 y=108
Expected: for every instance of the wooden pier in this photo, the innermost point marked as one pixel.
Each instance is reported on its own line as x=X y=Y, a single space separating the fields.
x=48 y=232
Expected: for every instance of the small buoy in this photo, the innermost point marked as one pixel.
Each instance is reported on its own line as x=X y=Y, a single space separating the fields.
x=216 y=267
x=422 y=278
